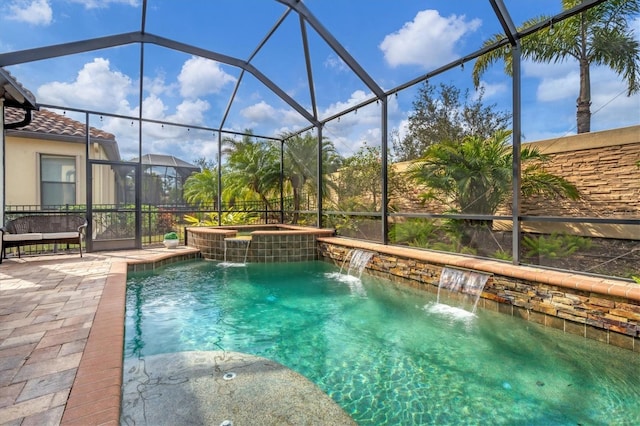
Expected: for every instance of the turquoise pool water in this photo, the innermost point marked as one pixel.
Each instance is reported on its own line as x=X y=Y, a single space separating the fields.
x=387 y=355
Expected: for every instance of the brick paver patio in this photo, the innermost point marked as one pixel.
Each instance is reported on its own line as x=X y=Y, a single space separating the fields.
x=61 y=336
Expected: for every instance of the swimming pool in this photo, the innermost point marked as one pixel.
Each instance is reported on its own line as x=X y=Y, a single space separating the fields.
x=381 y=351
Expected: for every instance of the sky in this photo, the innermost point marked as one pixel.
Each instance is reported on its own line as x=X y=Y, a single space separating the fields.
x=393 y=41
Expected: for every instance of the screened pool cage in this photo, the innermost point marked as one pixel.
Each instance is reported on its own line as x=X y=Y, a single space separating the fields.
x=133 y=189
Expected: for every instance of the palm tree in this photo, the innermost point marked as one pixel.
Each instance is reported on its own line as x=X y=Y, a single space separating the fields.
x=598 y=36
x=300 y=165
x=202 y=187
x=474 y=176
x=253 y=170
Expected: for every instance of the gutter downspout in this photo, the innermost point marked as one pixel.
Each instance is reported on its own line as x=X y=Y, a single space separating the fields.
x=25 y=121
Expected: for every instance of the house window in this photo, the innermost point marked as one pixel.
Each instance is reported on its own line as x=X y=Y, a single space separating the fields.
x=57 y=180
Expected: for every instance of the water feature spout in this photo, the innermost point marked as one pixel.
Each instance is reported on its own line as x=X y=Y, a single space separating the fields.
x=359 y=261
x=239 y=242
x=464 y=285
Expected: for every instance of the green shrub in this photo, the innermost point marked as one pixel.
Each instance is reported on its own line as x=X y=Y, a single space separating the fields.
x=171 y=236
x=502 y=255
x=554 y=246
x=414 y=232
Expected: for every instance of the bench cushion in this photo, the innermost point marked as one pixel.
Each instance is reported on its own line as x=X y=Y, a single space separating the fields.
x=31 y=236
x=60 y=235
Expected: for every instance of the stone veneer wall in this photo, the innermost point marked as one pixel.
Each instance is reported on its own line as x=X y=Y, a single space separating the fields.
x=268 y=243
x=602 y=309
x=602 y=165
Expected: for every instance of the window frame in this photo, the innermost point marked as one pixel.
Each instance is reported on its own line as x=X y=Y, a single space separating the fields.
x=67 y=187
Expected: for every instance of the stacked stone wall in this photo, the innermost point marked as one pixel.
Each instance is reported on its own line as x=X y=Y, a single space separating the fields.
x=608 y=318
x=604 y=168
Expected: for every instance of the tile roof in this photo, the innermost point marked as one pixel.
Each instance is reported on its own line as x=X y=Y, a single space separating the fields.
x=14 y=92
x=49 y=122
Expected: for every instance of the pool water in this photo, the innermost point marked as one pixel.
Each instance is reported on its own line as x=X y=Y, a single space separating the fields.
x=386 y=354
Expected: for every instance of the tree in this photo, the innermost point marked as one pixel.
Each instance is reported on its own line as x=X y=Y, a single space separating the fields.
x=300 y=165
x=252 y=170
x=359 y=179
x=202 y=187
x=204 y=163
x=598 y=36
x=474 y=176
x=444 y=113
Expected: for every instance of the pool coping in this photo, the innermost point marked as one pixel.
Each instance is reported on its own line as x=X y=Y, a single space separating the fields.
x=570 y=280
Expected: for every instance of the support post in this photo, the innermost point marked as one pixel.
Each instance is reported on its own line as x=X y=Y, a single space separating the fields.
x=517 y=142
x=319 y=177
x=384 y=148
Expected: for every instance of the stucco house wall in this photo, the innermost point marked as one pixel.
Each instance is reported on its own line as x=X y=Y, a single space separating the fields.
x=23 y=168
x=52 y=134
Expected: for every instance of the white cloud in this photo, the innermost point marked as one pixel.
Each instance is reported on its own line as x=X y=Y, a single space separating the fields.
x=259 y=112
x=265 y=119
x=609 y=104
x=554 y=89
x=157 y=85
x=403 y=128
x=556 y=80
x=356 y=97
x=34 y=12
x=556 y=86
x=429 y=40
x=96 y=4
x=491 y=90
x=96 y=87
x=190 y=111
x=352 y=129
x=153 y=107
x=200 y=76
x=336 y=63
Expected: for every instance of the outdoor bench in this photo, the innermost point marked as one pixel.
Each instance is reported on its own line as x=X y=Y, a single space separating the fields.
x=44 y=229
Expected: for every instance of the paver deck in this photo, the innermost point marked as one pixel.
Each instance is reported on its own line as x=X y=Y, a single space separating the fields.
x=61 y=324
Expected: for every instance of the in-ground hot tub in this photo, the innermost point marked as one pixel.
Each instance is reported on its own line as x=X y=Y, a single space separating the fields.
x=257 y=243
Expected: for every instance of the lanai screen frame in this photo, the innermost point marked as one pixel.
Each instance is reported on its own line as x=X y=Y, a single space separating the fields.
x=141 y=37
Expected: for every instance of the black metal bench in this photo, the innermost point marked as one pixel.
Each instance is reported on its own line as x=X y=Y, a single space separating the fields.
x=43 y=229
